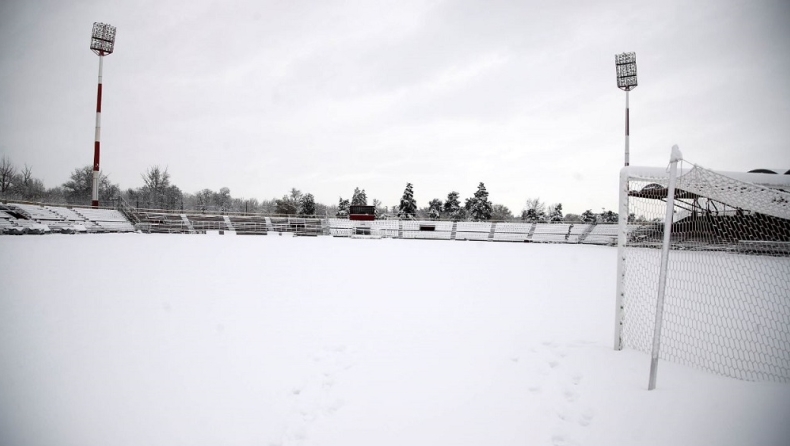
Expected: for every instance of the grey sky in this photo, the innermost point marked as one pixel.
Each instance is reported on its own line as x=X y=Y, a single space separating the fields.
x=262 y=96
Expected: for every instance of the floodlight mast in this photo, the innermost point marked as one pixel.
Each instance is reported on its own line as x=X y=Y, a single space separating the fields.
x=102 y=43
x=625 y=64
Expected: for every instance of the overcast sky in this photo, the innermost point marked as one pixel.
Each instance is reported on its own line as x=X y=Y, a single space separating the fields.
x=325 y=96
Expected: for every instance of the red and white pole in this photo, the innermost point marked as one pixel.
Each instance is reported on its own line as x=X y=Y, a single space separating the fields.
x=627 y=129
x=96 y=144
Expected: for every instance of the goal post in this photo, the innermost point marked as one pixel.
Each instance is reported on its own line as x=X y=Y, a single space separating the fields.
x=727 y=295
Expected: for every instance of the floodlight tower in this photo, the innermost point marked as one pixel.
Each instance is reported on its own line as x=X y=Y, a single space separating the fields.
x=102 y=43
x=626 y=81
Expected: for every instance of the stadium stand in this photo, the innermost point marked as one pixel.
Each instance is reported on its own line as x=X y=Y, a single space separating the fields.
x=160 y=222
x=578 y=231
x=340 y=227
x=603 y=234
x=469 y=230
x=429 y=230
x=249 y=224
x=105 y=220
x=66 y=214
x=551 y=232
x=34 y=212
x=512 y=232
x=385 y=228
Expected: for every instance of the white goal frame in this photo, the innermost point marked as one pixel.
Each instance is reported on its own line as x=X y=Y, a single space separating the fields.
x=732 y=347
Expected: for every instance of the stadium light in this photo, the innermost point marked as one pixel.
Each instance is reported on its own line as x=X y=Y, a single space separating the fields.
x=626 y=80
x=103 y=44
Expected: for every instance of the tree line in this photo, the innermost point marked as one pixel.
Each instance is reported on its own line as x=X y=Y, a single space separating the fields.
x=159 y=192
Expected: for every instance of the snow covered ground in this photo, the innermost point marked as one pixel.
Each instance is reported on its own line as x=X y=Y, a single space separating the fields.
x=132 y=339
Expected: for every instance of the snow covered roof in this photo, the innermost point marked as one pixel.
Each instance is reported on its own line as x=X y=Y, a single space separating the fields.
x=659 y=173
x=764 y=193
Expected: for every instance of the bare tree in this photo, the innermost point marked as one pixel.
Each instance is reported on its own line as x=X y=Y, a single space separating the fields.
x=79 y=188
x=534 y=210
x=7 y=173
x=156 y=179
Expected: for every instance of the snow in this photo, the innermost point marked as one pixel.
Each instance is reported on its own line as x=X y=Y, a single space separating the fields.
x=130 y=339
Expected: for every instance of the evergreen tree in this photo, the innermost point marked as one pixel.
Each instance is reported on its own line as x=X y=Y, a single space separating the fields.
x=342 y=208
x=501 y=212
x=608 y=216
x=480 y=207
x=307 y=205
x=452 y=205
x=408 y=206
x=359 y=198
x=435 y=209
x=555 y=212
x=286 y=206
x=588 y=216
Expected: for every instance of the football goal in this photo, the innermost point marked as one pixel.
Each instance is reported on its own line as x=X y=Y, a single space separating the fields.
x=726 y=304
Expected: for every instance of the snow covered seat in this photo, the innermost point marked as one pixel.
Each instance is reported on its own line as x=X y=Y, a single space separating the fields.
x=65 y=227
x=32 y=227
x=249 y=224
x=577 y=230
x=115 y=226
x=340 y=227
x=427 y=230
x=512 y=232
x=603 y=234
x=280 y=224
x=385 y=228
x=162 y=223
x=65 y=213
x=305 y=226
x=550 y=232
x=472 y=230
x=36 y=212
x=200 y=222
x=5 y=224
x=100 y=214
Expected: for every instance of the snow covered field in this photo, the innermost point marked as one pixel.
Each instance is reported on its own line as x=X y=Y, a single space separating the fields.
x=131 y=339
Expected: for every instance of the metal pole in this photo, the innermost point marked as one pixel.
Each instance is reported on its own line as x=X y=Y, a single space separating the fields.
x=621 y=242
x=662 y=278
x=96 y=144
x=627 y=129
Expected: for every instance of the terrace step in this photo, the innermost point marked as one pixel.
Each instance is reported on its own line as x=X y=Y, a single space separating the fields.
x=188 y=224
x=228 y=223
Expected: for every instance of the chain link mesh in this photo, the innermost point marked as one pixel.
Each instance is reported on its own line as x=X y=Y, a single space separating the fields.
x=727 y=302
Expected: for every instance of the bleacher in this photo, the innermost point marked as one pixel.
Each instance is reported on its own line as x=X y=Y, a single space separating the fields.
x=38 y=213
x=249 y=224
x=32 y=227
x=340 y=227
x=21 y=218
x=512 y=232
x=602 y=234
x=550 y=232
x=304 y=226
x=65 y=214
x=202 y=223
x=427 y=230
x=471 y=230
x=385 y=228
x=25 y=218
x=7 y=222
x=161 y=222
x=104 y=220
x=578 y=230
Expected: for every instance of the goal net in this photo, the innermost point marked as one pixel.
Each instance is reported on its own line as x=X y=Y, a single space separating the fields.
x=727 y=297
